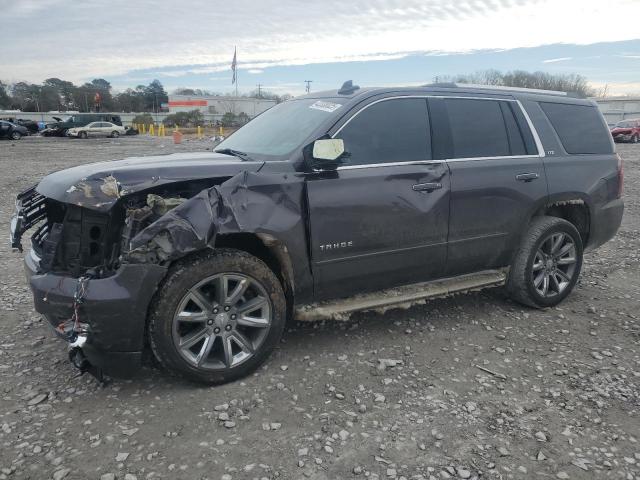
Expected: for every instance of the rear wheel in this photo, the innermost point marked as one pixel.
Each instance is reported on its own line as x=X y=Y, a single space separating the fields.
x=115 y=134
x=548 y=263
x=16 y=135
x=635 y=139
x=217 y=316
x=83 y=135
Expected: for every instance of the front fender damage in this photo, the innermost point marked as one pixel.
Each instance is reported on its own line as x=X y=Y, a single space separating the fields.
x=245 y=203
x=166 y=229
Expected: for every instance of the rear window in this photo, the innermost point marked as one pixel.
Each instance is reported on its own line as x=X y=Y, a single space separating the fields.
x=579 y=127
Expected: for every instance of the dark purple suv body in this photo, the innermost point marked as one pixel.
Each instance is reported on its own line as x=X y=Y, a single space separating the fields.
x=204 y=256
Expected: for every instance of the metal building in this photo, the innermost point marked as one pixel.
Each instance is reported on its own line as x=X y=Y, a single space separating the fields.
x=615 y=109
x=219 y=104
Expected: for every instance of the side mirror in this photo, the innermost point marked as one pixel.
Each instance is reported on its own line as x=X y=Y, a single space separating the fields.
x=327 y=153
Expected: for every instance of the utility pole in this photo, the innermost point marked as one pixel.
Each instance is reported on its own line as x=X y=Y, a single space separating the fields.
x=259 y=90
x=308 y=88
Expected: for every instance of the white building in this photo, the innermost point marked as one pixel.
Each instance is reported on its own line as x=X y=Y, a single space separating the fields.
x=219 y=105
x=615 y=109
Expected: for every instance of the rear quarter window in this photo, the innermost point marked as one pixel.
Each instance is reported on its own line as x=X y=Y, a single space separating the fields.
x=579 y=127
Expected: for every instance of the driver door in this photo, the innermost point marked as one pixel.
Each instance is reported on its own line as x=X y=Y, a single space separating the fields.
x=95 y=129
x=381 y=219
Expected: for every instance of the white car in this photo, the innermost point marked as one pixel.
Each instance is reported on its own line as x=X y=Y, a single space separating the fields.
x=97 y=129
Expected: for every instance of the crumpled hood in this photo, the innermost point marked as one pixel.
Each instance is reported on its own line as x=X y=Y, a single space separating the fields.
x=99 y=185
x=620 y=130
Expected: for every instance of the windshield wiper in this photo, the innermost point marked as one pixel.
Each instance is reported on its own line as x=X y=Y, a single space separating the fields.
x=235 y=153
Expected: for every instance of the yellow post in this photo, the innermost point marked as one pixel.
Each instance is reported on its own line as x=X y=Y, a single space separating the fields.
x=221 y=131
x=151 y=130
x=143 y=128
x=199 y=132
x=161 y=130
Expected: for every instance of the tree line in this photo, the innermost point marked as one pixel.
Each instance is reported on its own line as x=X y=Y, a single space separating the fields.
x=55 y=94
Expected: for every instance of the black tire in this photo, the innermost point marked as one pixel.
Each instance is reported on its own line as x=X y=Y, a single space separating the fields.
x=114 y=134
x=16 y=135
x=634 y=139
x=521 y=283
x=83 y=135
x=183 y=277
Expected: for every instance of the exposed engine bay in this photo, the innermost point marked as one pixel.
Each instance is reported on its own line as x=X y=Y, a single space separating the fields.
x=76 y=241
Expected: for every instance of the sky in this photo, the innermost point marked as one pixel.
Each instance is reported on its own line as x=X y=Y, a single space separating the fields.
x=281 y=43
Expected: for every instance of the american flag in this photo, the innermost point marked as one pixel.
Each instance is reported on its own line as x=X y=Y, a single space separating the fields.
x=233 y=67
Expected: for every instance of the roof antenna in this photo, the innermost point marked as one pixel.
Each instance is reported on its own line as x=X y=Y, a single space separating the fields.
x=348 y=88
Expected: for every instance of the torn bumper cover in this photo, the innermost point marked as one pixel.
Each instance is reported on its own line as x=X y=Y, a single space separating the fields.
x=114 y=309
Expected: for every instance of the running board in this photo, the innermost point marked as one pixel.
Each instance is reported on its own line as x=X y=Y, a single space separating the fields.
x=400 y=297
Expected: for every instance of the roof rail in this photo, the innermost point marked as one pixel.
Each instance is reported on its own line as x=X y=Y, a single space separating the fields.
x=497 y=87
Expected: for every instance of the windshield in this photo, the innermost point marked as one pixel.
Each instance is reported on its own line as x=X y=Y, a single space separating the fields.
x=281 y=129
x=624 y=125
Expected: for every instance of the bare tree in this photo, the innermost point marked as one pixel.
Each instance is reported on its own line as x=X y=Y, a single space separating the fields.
x=572 y=83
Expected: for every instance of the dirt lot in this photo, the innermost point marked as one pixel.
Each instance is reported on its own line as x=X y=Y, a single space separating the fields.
x=563 y=400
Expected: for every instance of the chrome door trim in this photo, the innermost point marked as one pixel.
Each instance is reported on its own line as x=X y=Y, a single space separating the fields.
x=391 y=164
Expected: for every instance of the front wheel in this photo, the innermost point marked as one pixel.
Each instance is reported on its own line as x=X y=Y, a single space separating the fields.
x=217 y=316
x=16 y=136
x=547 y=264
x=635 y=139
x=83 y=135
x=114 y=134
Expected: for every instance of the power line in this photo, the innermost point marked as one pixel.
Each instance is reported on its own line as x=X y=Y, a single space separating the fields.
x=308 y=82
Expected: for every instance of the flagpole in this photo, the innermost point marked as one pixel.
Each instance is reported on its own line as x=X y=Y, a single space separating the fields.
x=235 y=55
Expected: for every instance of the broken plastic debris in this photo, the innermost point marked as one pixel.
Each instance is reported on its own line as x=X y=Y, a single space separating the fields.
x=110 y=187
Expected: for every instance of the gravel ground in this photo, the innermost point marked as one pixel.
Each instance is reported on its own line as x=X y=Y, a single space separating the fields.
x=466 y=387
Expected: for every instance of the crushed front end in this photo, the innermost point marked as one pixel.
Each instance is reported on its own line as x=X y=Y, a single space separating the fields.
x=91 y=299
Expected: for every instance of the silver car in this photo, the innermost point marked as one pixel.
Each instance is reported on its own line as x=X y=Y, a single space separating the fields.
x=97 y=129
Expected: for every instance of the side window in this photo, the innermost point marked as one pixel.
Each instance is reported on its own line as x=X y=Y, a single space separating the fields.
x=389 y=131
x=580 y=127
x=477 y=128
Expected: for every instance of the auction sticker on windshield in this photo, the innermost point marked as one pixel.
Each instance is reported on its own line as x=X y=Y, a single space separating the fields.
x=325 y=106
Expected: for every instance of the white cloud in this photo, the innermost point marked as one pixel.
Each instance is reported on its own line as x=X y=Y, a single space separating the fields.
x=556 y=60
x=255 y=71
x=82 y=40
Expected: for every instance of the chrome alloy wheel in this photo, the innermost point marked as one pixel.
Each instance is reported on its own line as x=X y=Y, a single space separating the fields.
x=222 y=321
x=554 y=265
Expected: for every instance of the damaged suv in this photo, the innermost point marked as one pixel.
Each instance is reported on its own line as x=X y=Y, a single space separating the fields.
x=331 y=203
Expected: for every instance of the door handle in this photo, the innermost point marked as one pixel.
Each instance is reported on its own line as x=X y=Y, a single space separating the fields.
x=426 y=187
x=527 y=177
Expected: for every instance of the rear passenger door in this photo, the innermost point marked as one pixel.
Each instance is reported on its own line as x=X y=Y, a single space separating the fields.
x=497 y=180
x=381 y=219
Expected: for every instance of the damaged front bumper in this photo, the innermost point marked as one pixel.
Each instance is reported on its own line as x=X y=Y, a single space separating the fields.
x=114 y=309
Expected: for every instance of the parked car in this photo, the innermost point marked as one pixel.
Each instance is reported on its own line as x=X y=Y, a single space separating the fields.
x=12 y=131
x=31 y=125
x=62 y=125
x=315 y=209
x=97 y=129
x=626 y=131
